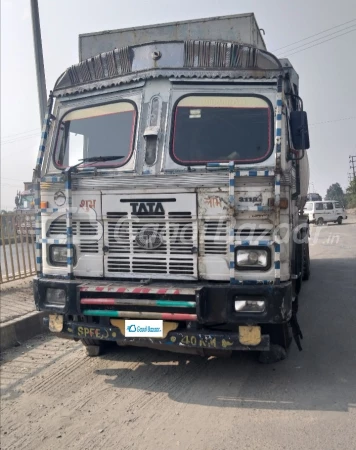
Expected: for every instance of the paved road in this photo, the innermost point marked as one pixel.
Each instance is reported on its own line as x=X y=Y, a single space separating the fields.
x=54 y=397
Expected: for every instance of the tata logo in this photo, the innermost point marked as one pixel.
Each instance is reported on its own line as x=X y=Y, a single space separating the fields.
x=59 y=198
x=147 y=208
x=149 y=238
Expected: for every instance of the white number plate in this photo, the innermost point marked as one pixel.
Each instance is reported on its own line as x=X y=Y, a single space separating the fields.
x=144 y=328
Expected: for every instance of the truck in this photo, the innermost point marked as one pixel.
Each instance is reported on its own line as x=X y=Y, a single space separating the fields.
x=313 y=197
x=24 y=200
x=24 y=211
x=169 y=187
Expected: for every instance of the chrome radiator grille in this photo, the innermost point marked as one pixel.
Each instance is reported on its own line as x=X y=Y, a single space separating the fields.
x=214 y=240
x=174 y=256
x=79 y=227
x=87 y=232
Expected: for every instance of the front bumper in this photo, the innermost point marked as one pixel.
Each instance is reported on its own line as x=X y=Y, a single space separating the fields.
x=202 y=339
x=214 y=303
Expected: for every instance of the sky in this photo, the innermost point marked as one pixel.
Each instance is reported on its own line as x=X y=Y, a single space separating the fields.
x=326 y=71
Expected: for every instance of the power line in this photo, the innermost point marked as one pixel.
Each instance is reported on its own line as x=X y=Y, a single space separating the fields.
x=17 y=134
x=22 y=138
x=330 y=121
x=317 y=34
x=298 y=51
x=321 y=38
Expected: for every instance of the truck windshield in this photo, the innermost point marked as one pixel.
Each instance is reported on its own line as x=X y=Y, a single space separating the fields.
x=106 y=130
x=27 y=201
x=221 y=129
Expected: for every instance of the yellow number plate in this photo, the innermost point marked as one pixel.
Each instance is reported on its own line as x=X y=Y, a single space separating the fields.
x=250 y=335
x=55 y=323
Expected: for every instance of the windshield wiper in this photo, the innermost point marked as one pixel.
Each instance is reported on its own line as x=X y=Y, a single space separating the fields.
x=92 y=159
x=100 y=159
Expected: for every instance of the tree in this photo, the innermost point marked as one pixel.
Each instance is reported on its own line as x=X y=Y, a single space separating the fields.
x=351 y=194
x=335 y=192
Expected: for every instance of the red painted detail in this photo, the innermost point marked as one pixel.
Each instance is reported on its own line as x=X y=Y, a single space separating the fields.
x=97 y=301
x=121 y=289
x=137 y=290
x=161 y=291
x=173 y=316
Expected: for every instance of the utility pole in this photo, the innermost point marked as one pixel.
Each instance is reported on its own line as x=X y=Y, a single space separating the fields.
x=352 y=160
x=40 y=72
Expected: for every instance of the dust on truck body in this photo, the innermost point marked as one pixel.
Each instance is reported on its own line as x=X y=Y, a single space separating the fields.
x=171 y=178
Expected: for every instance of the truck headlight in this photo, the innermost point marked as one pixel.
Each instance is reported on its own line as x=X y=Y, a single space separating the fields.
x=253 y=258
x=58 y=255
x=55 y=297
x=250 y=306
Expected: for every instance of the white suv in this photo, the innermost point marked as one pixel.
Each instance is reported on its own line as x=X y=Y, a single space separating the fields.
x=324 y=212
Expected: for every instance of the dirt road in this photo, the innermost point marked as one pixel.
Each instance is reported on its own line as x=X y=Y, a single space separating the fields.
x=54 y=397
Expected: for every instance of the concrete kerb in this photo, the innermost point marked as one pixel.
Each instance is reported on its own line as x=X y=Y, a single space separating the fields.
x=19 y=320
x=17 y=331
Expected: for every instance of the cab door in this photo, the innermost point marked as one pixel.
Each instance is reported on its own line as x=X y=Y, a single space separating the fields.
x=330 y=213
x=319 y=211
x=339 y=210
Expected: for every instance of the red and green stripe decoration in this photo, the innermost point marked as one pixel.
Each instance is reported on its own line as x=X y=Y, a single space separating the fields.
x=138 y=302
x=139 y=314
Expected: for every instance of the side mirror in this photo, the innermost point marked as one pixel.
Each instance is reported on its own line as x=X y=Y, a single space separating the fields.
x=299 y=129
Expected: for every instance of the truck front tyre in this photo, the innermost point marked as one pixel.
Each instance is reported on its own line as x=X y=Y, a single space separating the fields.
x=275 y=354
x=93 y=347
x=339 y=220
x=320 y=221
x=280 y=338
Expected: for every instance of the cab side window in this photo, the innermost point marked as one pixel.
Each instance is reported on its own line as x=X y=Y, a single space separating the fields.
x=338 y=205
x=318 y=206
x=328 y=206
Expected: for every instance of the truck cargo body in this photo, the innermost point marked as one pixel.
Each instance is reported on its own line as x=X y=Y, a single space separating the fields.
x=186 y=206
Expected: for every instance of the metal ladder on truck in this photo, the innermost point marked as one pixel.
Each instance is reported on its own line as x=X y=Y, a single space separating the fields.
x=42 y=208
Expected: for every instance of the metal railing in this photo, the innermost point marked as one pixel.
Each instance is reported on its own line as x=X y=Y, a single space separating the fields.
x=17 y=240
